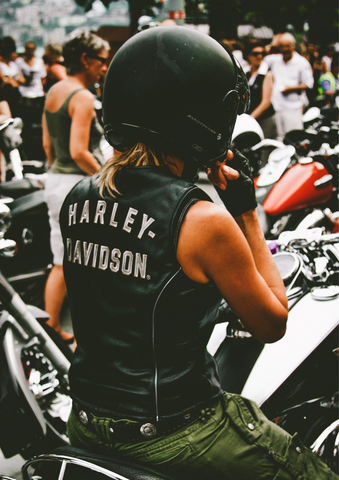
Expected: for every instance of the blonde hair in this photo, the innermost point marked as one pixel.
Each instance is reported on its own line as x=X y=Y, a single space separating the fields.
x=136 y=156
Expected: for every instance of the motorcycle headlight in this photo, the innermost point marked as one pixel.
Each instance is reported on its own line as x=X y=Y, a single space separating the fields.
x=5 y=219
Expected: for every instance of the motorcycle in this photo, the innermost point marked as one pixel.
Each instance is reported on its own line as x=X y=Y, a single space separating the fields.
x=34 y=363
x=296 y=182
x=294 y=382
x=14 y=165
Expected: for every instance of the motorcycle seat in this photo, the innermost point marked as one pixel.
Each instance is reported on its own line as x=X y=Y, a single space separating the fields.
x=17 y=188
x=27 y=203
x=128 y=470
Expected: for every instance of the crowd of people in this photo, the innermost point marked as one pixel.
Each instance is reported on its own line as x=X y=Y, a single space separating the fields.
x=283 y=77
x=142 y=382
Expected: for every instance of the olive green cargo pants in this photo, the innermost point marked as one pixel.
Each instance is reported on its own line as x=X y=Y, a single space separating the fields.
x=237 y=442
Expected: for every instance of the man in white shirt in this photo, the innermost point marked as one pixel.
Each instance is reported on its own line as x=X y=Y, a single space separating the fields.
x=292 y=76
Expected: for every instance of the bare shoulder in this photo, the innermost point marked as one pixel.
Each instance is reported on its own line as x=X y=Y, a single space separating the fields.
x=209 y=218
x=205 y=233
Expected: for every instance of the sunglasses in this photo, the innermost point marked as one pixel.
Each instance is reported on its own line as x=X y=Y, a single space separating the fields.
x=103 y=60
x=256 y=54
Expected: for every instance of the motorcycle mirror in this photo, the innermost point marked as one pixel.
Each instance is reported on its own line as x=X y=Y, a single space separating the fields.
x=5 y=219
x=8 y=248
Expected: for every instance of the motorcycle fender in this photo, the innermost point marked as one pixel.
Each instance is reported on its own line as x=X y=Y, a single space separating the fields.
x=296 y=190
x=310 y=321
x=13 y=342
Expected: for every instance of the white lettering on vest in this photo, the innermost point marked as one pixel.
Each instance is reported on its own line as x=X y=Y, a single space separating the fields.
x=69 y=249
x=115 y=263
x=102 y=258
x=72 y=211
x=95 y=254
x=101 y=209
x=85 y=213
x=127 y=263
x=146 y=222
x=129 y=220
x=140 y=265
x=112 y=222
x=77 y=252
x=104 y=255
x=87 y=252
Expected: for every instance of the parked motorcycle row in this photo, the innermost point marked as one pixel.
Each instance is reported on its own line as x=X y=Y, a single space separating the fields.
x=294 y=380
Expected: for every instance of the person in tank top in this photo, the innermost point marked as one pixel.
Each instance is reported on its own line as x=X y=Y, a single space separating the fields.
x=71 y=140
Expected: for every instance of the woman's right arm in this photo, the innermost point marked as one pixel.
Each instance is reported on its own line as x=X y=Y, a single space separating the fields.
x=232 y=252
x=82 y=113
x=5 y=112
x=265 y=103
x=47 y=142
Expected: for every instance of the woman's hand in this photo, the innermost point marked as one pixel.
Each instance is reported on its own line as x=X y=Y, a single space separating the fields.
x=234 y=185
x=219 y=174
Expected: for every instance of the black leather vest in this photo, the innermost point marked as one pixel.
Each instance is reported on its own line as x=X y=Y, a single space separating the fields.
x=140 y=323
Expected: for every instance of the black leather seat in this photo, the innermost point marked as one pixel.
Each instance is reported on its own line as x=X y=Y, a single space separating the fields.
x=79 y=471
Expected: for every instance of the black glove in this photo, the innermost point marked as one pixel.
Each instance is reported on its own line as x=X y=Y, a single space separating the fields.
x=239 y=196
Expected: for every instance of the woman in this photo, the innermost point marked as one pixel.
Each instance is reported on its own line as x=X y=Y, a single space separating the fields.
x=33 y=96
x=148 y=258
x=260 y=81
x=11 y=76
x=55 y=69
x=71 y=140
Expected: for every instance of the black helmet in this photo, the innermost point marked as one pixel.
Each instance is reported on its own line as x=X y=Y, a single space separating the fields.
x=177 y=89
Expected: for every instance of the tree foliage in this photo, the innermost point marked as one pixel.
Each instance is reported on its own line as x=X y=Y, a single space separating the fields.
x=225 y=15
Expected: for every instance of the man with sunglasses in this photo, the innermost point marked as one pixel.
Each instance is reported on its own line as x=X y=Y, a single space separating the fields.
x=292 y=76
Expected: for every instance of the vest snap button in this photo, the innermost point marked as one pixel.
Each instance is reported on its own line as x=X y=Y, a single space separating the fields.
x=250 y=426
x=83 y=417
x=148 y=430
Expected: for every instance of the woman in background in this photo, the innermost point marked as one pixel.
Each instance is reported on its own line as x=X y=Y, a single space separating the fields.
x=260 y=81
x=71 y=139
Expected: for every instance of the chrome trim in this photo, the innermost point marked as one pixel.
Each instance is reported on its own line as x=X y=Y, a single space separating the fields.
x=12 y=345
x=316 y=446
x=30 y=275
x=75 y=461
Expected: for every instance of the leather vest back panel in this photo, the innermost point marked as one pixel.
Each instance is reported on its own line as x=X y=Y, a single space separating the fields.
x=140 y=323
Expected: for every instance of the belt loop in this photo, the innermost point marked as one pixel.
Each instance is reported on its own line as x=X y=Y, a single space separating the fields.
x=102 y=428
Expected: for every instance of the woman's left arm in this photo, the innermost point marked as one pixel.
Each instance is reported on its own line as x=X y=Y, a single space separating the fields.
x=82 y=113
x=265 y=103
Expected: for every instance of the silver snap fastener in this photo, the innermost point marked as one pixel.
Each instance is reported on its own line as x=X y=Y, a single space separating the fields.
x=148 y=430
x=219 y=136
x=250 y=426
x=187 y=416
x=83 y=417
x=298 y=449
x=111 y=430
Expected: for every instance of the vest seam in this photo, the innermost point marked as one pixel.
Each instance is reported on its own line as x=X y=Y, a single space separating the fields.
x=153 y=344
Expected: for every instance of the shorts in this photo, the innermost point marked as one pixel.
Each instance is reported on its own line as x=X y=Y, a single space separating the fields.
x=57 y=187
x=236 y=442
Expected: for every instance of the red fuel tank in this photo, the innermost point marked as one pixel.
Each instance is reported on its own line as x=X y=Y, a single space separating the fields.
x=295 y=189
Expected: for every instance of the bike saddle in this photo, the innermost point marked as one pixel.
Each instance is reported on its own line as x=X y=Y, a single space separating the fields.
x=81 y=463
x=17 y=188
x=28 y=202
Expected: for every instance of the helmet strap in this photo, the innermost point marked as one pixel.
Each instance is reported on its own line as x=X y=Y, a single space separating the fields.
x=190 y=171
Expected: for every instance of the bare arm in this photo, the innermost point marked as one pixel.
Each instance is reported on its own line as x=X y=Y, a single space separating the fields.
x=47 y=142
x=265 y=103
x=233 y=253
x=82 y=113
x=5 y=112
x=296 y=89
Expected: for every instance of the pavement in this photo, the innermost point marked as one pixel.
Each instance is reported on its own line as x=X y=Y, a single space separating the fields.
x=12 y=467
